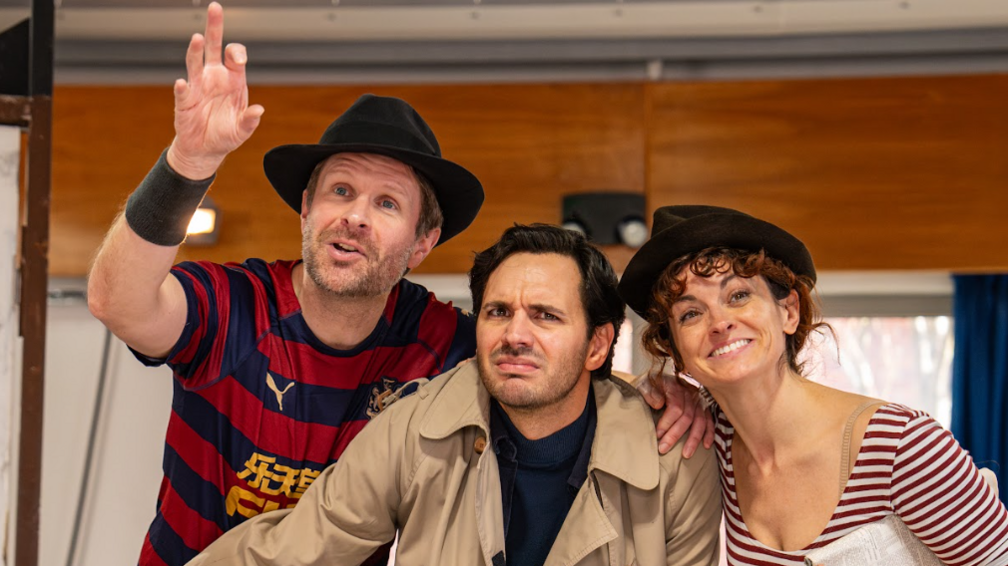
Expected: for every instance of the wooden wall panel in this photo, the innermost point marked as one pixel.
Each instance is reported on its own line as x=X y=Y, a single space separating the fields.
x=529 y=144
x=893 y=173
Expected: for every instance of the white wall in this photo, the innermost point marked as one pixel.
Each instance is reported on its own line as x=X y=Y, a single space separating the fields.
x=126 y=472
x=10 y=155
x=126 y=467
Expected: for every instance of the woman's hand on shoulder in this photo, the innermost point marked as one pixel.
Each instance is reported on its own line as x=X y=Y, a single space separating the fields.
x=685 y=412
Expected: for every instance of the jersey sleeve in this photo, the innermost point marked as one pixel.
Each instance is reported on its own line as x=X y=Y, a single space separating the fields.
x=939 y=493
x=446 y=332
x=226 y=314
x=463 y=345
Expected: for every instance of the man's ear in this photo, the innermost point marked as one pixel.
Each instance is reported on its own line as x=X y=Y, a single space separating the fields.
x=304 y=208
x=598 y=346
x=792 y=311
x=423 y=246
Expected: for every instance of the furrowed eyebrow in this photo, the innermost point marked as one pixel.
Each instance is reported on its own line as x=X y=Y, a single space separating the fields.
x=548 y=308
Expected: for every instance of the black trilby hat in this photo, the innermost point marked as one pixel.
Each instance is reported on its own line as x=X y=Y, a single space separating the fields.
x=684 y=229
x=386 y=126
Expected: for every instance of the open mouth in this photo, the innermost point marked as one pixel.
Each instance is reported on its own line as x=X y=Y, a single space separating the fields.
x=345 y=251
x=729 y=348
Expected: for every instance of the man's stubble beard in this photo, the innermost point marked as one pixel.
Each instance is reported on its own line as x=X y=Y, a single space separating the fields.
x=557 y=386
x=378 y=278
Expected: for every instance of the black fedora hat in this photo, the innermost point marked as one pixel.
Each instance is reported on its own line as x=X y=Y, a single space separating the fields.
x=386 y=126
x=684 y=229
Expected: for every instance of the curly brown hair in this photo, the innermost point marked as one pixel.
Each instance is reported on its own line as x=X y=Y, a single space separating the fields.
x=657 y=338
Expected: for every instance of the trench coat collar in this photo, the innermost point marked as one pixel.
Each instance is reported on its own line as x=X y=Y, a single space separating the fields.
x=625 y=443
x=462 y=402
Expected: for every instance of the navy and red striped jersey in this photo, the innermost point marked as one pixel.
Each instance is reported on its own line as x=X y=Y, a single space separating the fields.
x=261 y=406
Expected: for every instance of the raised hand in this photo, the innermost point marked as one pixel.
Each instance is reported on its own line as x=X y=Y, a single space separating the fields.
x=212 y=114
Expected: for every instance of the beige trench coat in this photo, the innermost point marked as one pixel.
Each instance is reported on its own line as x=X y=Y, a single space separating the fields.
x=423 y=467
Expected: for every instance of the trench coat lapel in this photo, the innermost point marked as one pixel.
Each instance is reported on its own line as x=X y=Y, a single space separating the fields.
x=464 y=402
x=586 y=528
x=624 y=452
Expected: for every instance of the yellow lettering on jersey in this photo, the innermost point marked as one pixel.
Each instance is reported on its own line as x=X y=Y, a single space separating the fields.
x=262 y=473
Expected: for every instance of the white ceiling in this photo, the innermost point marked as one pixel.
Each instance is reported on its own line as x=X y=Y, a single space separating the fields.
x=338 y=41
x=400 y=20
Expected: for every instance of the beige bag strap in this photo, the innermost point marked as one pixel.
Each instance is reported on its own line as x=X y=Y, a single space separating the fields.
x=847 y=433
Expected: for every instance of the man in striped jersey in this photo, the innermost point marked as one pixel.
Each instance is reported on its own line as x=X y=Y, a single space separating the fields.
x=279 y=365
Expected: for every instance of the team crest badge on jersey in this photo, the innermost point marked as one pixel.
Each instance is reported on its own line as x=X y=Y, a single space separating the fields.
x=383 y=393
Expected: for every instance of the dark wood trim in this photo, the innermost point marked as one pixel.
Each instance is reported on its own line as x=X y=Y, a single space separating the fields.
x=34 y=283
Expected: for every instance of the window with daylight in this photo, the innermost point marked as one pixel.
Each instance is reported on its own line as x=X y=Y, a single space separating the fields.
x=904 y=360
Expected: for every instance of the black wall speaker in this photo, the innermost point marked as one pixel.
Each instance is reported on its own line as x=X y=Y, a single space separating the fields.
x=607 y=217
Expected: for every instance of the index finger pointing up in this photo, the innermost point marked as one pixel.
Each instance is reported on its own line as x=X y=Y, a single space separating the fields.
x=214 y=34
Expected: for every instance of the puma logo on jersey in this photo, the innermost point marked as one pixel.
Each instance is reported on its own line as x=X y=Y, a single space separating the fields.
x=276 y=390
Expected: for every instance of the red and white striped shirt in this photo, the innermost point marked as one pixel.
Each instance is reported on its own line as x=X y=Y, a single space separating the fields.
x=908 y=465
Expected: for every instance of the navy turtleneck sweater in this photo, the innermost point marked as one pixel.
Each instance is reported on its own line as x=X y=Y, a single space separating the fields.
x=539 y=481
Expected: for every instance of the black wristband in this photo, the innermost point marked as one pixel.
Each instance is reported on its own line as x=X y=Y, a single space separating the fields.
x=159 y=209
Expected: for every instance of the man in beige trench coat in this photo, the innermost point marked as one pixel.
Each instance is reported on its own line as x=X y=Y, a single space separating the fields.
x=530 y=455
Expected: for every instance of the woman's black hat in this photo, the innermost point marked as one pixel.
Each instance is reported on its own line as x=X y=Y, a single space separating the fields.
x=680 y=230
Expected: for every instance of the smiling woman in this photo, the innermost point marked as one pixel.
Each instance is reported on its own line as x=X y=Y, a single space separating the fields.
x=728 y=300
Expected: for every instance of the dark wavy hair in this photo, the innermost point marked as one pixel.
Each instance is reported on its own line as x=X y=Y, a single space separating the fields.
x=602 y=304
x=657 y=338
